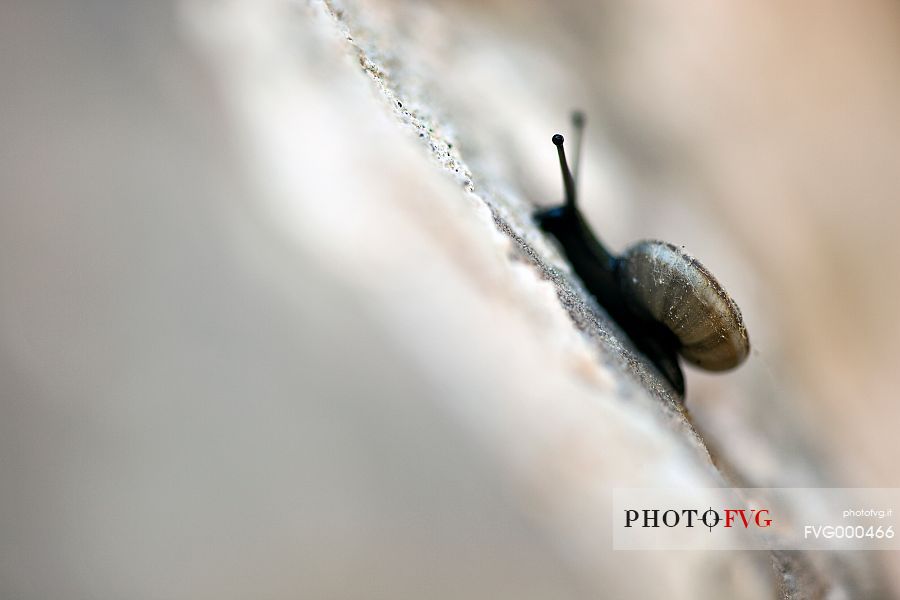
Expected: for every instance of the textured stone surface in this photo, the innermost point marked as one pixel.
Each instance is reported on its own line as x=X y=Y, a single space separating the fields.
x=275 y=320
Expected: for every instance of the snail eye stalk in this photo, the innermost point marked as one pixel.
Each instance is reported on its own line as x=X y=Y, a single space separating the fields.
x=568 y=181
x=578 y=121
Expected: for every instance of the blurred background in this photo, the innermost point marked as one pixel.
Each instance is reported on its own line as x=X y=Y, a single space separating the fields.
x=261 y=335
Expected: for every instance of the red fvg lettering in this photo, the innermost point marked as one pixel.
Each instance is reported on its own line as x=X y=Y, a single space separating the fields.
x=747 y=517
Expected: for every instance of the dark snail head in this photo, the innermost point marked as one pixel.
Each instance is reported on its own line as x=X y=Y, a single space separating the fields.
x=664 y=299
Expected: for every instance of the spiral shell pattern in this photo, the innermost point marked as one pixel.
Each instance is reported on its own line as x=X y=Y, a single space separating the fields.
x=663 y=282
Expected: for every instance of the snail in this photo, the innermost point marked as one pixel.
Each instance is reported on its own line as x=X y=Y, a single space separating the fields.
x=665 y=300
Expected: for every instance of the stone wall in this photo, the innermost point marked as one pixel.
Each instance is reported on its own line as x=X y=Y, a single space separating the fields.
x=276 y=320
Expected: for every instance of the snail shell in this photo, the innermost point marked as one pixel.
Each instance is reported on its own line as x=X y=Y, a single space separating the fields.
x=661 y=281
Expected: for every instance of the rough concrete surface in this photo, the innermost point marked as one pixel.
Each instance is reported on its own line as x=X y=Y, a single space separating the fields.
x=276 y=321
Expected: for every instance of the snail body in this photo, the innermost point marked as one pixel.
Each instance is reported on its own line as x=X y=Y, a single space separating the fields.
x=665 y=300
